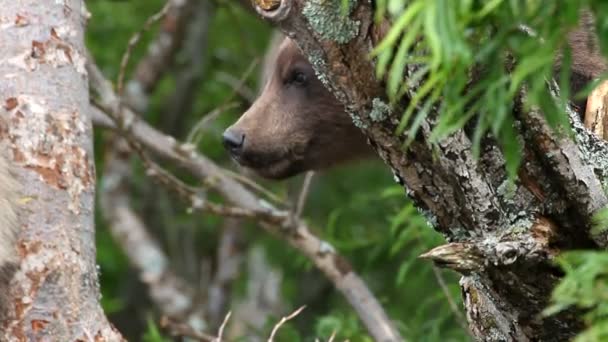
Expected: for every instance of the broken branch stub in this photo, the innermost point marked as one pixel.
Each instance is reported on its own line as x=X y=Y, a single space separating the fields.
x=268 y=5
x=274 y=10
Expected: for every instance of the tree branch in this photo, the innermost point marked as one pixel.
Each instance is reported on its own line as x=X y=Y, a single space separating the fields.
x=160 y=53
x=172 y=296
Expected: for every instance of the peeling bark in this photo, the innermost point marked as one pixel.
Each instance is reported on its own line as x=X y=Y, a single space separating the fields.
x=55 y=293
x=501 y=236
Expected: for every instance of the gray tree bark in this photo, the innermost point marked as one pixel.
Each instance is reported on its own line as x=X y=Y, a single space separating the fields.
x=501 y=239
x=44 y=91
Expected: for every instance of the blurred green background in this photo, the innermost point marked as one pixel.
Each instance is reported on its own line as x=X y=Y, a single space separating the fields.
x=357 y=208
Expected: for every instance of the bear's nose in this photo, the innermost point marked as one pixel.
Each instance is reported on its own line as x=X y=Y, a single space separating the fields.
x=233 y=141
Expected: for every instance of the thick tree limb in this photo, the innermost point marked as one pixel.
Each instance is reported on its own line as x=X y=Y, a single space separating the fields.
x=470 y=201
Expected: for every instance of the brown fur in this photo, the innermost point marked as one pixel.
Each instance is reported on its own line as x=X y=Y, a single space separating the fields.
x=587 y=62
x=294 y=128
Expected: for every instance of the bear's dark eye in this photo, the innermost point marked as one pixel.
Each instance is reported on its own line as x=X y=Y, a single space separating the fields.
x=297 y=78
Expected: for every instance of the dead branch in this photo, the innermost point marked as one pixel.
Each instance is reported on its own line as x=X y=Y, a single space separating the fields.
x=242 y=90
x=283 y=321
x=299 y=208
x=229 y=259
x=190 y=72
x=220 y=332
x=161 y=52
x=262 y=298
x=185 y=330
x=133 y=42
x=197 y=130
x=462 y=321
x=171 y=295
x=224 y=106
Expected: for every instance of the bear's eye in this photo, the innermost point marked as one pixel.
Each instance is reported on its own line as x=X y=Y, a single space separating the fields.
x=297 y=78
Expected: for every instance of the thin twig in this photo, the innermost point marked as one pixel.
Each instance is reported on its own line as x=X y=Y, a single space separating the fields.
x=135 y=38
x=190 y=72
x=453 y=306
x=242 y=90
x=184 y=330
x=160 y=53
x=283 y=320
x=220 y=332
x=236 y=19
x=206 y=119
x=304 y=194
x=255 y=186
x=243 y=78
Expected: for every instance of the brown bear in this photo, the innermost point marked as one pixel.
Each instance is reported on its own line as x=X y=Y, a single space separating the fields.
x=297 y=125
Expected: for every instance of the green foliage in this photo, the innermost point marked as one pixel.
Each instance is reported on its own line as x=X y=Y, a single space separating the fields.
x=153 y=334
x=120 y=20
x=347 y=325
x=600 y=221
x=584 y=287
x=446 y=39
x=389 y=236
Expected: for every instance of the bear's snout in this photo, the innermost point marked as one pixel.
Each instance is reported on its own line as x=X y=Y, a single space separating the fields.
x=233 y=141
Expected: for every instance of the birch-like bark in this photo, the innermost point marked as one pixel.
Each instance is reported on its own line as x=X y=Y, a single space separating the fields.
x=55 y=293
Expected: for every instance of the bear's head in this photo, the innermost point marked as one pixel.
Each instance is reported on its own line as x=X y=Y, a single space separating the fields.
x=295 y=125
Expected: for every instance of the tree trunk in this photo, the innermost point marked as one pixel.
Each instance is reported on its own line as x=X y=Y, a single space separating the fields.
x=501 y=237
x=43 y=83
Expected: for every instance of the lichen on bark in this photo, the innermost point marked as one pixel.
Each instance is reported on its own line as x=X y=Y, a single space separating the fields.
x=330 y=21
x=380 y=110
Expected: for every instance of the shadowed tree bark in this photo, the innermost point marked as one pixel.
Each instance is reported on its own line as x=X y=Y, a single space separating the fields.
x=43 y=82
x=501 y=238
